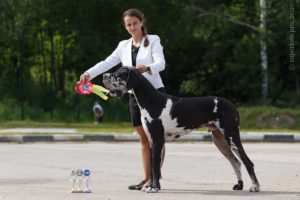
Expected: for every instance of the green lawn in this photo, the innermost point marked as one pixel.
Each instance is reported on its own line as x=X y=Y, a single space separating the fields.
x=121 y=127
x=82 y=127
x=254 y=118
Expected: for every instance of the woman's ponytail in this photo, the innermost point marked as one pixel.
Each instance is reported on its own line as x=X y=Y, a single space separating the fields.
x=144 y=31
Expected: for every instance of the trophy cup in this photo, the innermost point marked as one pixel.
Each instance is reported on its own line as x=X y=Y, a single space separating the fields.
x=86 y=180
x=80 y=179
x=79 y=174
x=73 y=181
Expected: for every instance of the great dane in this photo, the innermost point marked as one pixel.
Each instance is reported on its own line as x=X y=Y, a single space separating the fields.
x=166 y=117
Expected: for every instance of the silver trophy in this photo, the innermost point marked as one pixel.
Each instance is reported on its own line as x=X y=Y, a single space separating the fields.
x=80 y=179
x=86 y=178
x=79 y=174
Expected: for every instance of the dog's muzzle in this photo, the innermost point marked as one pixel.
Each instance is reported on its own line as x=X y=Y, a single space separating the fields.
x=106 y=79
x=114 y=87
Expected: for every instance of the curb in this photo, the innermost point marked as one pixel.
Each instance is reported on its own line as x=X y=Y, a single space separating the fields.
x=127 y=138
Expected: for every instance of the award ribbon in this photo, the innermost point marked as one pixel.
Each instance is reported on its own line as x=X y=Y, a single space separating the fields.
x=88 y=88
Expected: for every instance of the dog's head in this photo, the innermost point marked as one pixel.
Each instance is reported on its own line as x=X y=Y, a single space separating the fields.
x=119 y=82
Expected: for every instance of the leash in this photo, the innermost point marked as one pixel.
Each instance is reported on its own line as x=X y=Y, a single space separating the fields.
x=88 y=88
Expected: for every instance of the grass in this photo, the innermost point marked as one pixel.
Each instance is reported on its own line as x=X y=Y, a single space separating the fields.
x=81 y=127
x=90 y=128
x=271 y=130
x=259 y=118
x=267 y=117
x=109 y=127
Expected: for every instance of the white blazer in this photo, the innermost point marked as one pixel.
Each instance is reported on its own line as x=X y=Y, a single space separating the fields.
x=151 y=56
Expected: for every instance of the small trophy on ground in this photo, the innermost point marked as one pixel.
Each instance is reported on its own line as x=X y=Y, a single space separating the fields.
x=73 y=181
x=80 y=179
x=86 y=174
x=79 y=174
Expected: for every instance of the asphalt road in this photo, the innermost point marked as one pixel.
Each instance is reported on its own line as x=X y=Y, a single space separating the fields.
x=38 y=171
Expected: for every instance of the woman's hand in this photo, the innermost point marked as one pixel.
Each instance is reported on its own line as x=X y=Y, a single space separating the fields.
x=85 y=77
x=142 y=68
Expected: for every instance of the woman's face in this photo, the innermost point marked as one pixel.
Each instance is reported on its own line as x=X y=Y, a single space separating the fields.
x=133 y=25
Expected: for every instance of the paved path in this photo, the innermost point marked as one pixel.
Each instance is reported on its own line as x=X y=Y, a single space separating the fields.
x=192 y=170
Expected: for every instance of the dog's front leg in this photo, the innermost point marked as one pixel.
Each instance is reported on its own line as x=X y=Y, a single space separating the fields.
x=155 y=158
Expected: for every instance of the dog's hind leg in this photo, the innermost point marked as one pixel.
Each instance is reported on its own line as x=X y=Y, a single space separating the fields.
x=237 y=147
x=232 y=136
x=223 y=146
x=230 y=124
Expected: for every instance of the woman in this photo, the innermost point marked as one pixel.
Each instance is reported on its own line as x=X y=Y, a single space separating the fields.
x=146 y=53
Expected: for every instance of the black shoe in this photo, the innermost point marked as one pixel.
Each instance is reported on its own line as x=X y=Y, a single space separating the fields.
x=137 y=187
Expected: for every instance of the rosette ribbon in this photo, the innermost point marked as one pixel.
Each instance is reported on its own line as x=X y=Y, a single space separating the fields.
x=88 y=88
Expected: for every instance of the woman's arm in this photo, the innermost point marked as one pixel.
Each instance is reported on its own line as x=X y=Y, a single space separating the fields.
x=158 y=56
x=103 y=66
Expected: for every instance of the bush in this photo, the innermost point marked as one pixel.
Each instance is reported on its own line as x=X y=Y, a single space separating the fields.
x=267 y=117
x=77 y=109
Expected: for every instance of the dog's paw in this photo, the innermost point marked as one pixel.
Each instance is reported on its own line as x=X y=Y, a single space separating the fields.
x=238 y=186
x=154 y=190
x=148 y=189
x=254 y=188
x=151 y=190
x=145 y=187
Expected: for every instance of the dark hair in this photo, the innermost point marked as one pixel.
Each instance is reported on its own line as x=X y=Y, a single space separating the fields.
x=138 y=14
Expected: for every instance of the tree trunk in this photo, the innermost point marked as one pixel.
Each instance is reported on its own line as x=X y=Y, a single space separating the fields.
x=43 y=54
x=52 y=62
x=52 y=75
x=263 y=47
x=297 y=83
x=61 y=70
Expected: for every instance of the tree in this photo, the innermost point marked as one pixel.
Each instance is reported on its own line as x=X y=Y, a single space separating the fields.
x=261 y=30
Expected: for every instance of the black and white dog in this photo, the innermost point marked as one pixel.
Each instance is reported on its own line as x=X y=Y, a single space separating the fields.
x=167 y=117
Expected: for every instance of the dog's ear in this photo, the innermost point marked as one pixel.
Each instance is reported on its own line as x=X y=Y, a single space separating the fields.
x=133 y=78
x=134 y=69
